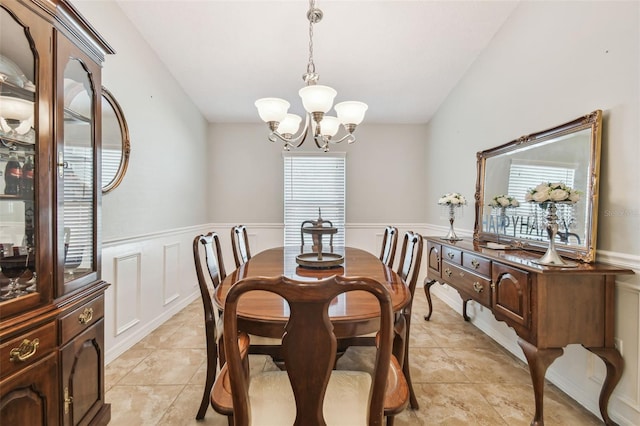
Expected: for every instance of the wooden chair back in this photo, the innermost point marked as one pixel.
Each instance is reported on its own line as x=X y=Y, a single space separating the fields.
x=308 y=344
x=389 y=243
x=409 y=269
x=240 y=243
x=410 y=259
x=207 y=256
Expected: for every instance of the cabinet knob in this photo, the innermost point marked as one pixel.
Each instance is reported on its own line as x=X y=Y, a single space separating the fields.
x=493 y=286
x=478 y=287
x=26 y=350
x=450 y=255
x=448 y=272
x=475 y=263
x=85 y=316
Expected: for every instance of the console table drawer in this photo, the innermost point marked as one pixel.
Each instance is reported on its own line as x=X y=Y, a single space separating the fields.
x=473 y=285
x=452 y=255
x=477 y=264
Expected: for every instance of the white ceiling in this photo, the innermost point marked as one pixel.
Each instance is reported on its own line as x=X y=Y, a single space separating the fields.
x=400 y=57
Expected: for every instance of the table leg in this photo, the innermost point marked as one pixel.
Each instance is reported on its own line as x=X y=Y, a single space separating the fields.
x=615 y=366
x=427 y=291
x=539 y=360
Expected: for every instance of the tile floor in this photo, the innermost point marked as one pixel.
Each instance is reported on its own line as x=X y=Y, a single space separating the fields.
x=461 y=377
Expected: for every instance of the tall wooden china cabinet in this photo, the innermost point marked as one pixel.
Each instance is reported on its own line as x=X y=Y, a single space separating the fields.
x=52 y=296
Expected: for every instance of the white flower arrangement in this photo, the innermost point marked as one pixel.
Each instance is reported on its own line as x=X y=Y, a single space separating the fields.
x=552 y=192
x=452 y=199
x=504 y=201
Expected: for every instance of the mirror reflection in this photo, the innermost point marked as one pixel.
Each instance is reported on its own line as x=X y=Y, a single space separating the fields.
x=567 y=154
x=115 y=142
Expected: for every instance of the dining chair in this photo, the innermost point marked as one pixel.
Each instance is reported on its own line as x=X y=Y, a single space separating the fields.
x=310 y=392
x=240 y=244
x=389 y=243
x=207 y=248
x=408 y=269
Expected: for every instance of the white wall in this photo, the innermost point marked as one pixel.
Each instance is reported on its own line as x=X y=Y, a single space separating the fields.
x=552 y=62
x=385 y=174
x=163 y=186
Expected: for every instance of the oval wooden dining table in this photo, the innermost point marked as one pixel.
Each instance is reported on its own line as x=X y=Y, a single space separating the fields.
x=352 y=314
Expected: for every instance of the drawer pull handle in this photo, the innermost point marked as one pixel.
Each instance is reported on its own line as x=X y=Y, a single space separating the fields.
x=450 y=255
x=26 y=350
x=475 y=264
x=448 y=272
x=478 y=287
x=85 y=316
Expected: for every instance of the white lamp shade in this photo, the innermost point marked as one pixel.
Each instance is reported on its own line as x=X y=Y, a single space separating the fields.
x=329 y=126
x=15 y=108
x=272 y=109
x=317 y=98
x=290 y=124
x=351 y=112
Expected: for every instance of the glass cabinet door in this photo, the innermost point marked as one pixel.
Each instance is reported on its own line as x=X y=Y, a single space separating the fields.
x=77 y=168
x=18 y=147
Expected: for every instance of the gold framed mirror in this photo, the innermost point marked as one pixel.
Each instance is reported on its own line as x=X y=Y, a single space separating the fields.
x=568 y=153
x=116 y=146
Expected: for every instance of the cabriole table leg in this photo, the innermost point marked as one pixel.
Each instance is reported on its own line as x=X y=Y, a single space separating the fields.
x=539 y=360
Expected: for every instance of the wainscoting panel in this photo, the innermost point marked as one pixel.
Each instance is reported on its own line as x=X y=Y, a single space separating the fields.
x=127 y=296
x=171 y=279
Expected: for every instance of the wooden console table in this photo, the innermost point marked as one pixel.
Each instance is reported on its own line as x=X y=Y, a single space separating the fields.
x=548 y=307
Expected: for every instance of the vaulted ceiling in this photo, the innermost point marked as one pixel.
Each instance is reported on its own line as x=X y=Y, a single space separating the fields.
x=400 y=57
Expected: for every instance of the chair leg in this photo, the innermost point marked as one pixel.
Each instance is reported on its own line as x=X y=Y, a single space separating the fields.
x=413 y=401
x=211 y=377
x=390 y=420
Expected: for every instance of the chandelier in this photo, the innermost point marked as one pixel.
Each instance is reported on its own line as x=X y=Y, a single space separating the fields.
x=317 y=101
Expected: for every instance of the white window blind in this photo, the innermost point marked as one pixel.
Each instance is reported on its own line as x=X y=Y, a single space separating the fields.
x=312 y=182
x=524 y=175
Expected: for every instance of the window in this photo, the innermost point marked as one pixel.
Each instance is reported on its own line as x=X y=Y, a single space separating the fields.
x=526 y=174
x=313 y=182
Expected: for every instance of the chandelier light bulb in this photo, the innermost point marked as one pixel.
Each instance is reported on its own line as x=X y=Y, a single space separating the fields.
x=290 y=124
x=317 y=98
x=329 y=126
x=272 y=109
x=351 y=112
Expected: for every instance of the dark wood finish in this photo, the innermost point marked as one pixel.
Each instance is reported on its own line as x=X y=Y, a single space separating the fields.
x=309 y=345
x=82 y=374
x=389 y=243
x=208 y=247
x=408 y=270
x=68 y=354
x=31 y=397
x=354 y=314
x=240 y=244
x=549 y=308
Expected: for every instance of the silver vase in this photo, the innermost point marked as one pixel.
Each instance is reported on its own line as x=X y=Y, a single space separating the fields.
x=551 y=256
x=451 y=235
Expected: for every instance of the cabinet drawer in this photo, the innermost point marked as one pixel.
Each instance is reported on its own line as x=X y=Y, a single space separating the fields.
x=27 y=348
x=477 y=264
x=452 y=255
x=473 y=285
x=81 y=318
